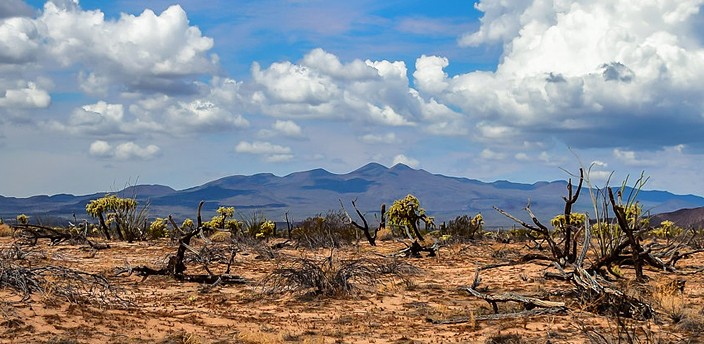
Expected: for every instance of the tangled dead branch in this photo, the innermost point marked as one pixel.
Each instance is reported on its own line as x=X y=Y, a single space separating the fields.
x=330 y=277
x=72 y=285
x=29 y=235
x=568 y=253
x=176 y=265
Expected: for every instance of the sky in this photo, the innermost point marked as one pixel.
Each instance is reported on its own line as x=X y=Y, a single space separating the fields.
x=99 y=95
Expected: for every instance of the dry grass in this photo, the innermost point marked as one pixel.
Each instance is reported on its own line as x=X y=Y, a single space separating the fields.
x=355 y=297
x=220 y=236
x=5 y=230
x=334 y=277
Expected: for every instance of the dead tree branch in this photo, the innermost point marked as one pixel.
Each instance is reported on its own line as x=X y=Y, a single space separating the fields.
x=176 y=265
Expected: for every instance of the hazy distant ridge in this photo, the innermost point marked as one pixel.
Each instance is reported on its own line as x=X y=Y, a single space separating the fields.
x=308 y=193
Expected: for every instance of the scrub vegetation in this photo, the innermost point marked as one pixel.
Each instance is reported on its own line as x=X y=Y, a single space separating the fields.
x=607 y=275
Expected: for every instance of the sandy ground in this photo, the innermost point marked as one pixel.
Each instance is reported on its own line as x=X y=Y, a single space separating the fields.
x=395 y=310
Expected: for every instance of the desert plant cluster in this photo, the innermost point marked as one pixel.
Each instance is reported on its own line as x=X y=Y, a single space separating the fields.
x=124 y=275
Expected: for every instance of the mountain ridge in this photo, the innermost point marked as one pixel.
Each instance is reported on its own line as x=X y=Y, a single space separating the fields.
x=308 y=193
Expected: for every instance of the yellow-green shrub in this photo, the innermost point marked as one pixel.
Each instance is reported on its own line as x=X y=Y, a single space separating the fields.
x=22 y=219
x=667 y=229
x=157 y=229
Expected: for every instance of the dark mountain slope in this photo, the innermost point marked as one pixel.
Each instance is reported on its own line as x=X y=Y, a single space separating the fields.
x=307 y=193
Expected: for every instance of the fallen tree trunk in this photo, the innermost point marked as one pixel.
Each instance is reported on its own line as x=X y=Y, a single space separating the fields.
x=32 y=234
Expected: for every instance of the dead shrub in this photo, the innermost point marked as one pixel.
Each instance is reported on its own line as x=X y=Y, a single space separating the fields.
x=463 y=228
x=624 y=330
x=220 y=236
x=504 y=339
x=694 y=325
x=330 y=277
x=329 y=230
x=5 y=230
x=55 y=282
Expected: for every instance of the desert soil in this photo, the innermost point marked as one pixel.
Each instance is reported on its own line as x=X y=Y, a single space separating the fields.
x=163 y=310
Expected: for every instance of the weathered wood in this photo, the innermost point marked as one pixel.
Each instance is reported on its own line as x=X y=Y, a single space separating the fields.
x=569 y=201
x=414 y=250
x=528 y=302
x=35 y=232
x=636 y=249
x=176 y=266
x=371 y=237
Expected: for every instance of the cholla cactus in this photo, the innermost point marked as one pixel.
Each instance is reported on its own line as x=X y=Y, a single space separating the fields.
x=226 y=212
x=157 y=229
x=22 y=219
x=220 y=221
x=266 y=229
x=407 y=213
x=633 y=215
x=118 y=208
x=576 y=219
x=233 y=225
x=187 y=223
x=477 y=221
x=605 y=229
x=667 y=229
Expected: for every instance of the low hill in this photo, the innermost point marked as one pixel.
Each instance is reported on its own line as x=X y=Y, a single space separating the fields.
x=687 y=218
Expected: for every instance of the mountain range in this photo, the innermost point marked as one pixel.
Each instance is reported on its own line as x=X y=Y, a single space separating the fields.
x=308 y=193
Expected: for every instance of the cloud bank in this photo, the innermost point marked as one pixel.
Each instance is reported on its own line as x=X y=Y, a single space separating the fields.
x=616 y=76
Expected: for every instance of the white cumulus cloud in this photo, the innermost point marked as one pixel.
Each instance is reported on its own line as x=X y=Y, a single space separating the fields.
x=27 y=96
x=20 y=40
x=101 y=149
x=288 y=128
x=14 y=8
x=147 y=52
x=631 y=158
x=387 y=138
x=269 y=152
x=403 y=159
x=580 y=70
x=123 y=151
x=321 y=86
x=260 y=147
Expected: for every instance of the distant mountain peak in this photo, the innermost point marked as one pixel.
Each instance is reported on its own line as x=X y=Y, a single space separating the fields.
x=372 y=168
x=401 y=167
x=319 y=172
x=307 y=193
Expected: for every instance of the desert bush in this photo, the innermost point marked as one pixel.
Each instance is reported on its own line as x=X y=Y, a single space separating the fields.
x=220 y=236
x=130 y=222
x=385 y=234
x=256 y=225
x=464 y=228
x=5 y=230
x=157 y=229
x=520 y=234
x=224 y=220
x=329 y=230
x=55 y=282
x=331 y=277
x=667 y=230
x=505 y=339
x=406 y=215
x=694 y=325
x=622 y=330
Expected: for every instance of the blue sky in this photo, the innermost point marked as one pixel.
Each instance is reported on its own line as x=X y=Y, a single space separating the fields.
x=98 y=95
